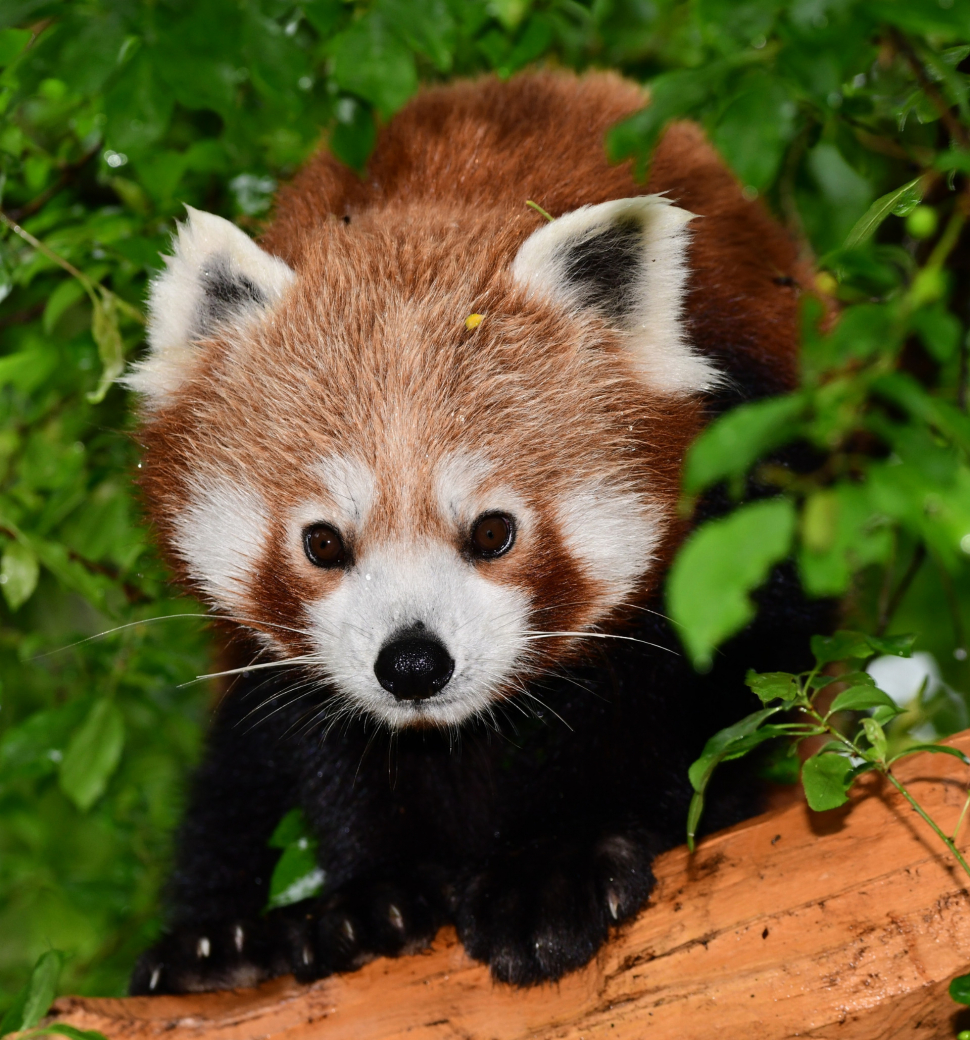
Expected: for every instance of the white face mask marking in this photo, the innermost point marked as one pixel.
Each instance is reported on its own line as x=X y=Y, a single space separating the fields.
x=458 y=491
x=351 y=486
x=396 y=587
x=222 y=535
x=347 y=494
x=612 y=534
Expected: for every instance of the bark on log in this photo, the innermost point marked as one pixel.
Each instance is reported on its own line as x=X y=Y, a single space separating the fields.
x=847 y=924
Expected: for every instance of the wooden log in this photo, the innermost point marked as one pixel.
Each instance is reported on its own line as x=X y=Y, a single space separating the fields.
x=844 y=924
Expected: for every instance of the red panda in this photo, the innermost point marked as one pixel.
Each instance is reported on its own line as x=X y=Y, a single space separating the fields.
x=419 y=449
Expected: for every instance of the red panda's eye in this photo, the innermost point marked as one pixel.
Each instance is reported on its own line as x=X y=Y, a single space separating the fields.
x=492 y=535
x=323 y=546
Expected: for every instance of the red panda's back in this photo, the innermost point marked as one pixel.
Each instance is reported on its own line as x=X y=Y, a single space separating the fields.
x=481 y=143
x=487 y=146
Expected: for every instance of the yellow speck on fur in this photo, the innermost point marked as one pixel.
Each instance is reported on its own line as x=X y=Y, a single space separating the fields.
x=473 y=321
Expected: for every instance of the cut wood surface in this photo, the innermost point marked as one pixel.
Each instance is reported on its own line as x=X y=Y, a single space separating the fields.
x=847 y=924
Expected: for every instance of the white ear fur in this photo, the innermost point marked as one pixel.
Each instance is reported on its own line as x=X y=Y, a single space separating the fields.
x=217 y=275
x=627 y=260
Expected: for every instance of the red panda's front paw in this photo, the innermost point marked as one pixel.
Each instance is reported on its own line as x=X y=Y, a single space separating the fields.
x=208 y=956
x=360 y=921
x=539 y=913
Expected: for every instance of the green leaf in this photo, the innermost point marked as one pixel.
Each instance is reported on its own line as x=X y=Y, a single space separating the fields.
x=32 y=1002
x=851 y=678
x=296 y=876
x=68 y=292
x=960 y=989
x=825 y=779
x=428 y=27
x=731 y=444
x=841 y=533
x=773 y=686
x=19 y=571
x=63 y=1029
x=884 y=714
x=720 y=564
x=111 y=348
x=725 y=743
x=729 y=743
x=353 y=136
x=932 y=749
x=289 y=830
x=843 y=645
x=371 y=61
x=27 y=369
x=861 y=698
x=897 y=646
x=510 y=12
x=138 y=107
x=672 y=94
x=898 y=202
x=93 y=754
x=877 y=737
x=755 y=127
x=940 y=331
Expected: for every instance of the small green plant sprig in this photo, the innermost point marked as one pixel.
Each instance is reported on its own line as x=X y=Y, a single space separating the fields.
x=34 y=1000
x=829 y=773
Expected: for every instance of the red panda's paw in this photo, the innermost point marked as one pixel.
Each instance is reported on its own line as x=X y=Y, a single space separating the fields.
x=536 y=914
x=361 y=921
x=206 y=956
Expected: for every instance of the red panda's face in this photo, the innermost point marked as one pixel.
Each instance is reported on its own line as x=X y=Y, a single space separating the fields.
x=425 y=510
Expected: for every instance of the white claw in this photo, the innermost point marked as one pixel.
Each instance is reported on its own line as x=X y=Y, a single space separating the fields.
x=395 y=917
x=156 y=975
x=613 y=902
x=203 y=947
x=238 y=938
x=307 y=955
x=348 y=929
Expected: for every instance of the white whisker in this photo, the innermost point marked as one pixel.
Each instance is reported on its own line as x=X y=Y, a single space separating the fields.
x=169 y=617
x=598 y=635
x=288 y=661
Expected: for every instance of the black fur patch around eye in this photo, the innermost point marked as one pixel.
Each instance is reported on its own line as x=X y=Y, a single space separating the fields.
x=224 y=294
x=605 y=268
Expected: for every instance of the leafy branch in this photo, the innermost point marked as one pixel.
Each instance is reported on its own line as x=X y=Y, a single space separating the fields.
x=829 y=773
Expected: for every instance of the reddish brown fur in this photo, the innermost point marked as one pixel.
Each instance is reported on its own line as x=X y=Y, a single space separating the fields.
x=370 y=351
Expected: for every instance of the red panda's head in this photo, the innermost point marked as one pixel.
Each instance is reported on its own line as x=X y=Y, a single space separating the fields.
x=431 y=455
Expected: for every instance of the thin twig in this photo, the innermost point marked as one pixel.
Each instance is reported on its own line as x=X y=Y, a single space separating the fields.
x=963 y=812
x=947 y=841
x=91 y=287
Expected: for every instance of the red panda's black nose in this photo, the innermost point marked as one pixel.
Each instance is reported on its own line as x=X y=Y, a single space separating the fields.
x=413 y=667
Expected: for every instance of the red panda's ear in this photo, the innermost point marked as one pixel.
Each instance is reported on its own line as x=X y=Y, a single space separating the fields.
x=216 y=276
x=627 y=262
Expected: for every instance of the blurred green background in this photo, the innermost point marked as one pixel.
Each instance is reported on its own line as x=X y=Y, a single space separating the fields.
x=849 y=119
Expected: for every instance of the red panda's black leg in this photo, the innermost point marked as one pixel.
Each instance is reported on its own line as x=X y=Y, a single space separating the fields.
x=534 y=914
x=215 y=936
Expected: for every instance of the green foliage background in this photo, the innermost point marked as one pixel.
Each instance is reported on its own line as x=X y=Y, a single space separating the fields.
x=842 y=114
